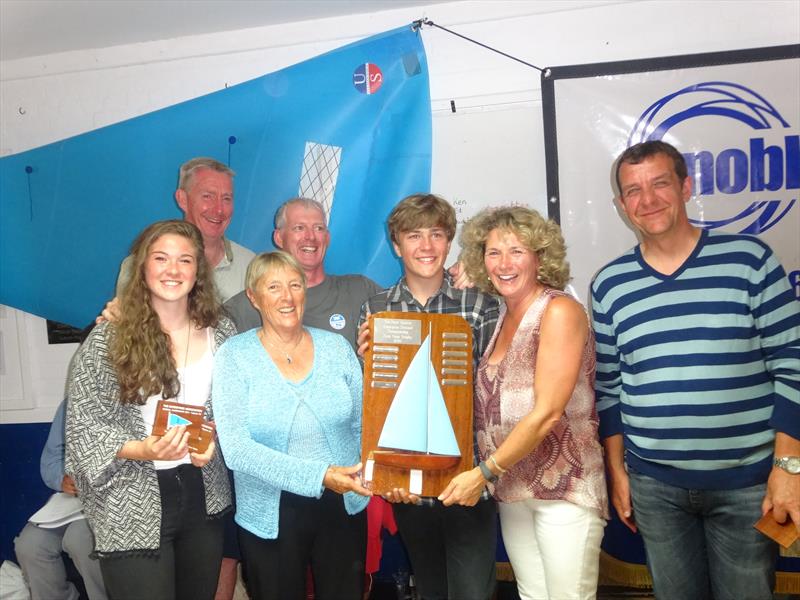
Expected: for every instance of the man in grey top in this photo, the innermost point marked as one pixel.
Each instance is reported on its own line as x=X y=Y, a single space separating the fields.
x=333 y=302
x=205 y=195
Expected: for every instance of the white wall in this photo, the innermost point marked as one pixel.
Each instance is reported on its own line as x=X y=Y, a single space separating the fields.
x=494 y=137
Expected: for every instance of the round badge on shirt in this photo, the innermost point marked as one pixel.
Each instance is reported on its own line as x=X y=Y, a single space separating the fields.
x=337 y=321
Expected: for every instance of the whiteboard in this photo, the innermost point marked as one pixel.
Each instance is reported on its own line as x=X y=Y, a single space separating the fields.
x=489 y=155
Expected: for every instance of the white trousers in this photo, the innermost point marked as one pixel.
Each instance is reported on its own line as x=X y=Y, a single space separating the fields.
x=554 y=547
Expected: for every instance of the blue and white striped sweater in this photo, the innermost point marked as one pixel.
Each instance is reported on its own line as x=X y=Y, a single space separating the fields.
x=697 y=369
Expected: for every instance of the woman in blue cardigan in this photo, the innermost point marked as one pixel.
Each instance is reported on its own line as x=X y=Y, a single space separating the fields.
x=287 y=403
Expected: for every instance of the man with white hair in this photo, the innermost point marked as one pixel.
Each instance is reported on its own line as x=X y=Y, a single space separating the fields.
x=333 y=302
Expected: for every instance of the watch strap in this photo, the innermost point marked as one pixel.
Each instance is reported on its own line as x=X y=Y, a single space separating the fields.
x=487 y=472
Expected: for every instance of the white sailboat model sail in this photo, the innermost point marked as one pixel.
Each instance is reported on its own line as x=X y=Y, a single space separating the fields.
x=418 y=421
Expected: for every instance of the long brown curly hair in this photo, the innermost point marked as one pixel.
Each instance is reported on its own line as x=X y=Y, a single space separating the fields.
x=140 y=349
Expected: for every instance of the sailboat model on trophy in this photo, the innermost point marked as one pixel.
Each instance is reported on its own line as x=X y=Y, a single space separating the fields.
x=417 y=425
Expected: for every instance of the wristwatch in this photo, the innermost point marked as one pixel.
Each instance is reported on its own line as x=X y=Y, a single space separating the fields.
x=790 y=464
x=487 y=472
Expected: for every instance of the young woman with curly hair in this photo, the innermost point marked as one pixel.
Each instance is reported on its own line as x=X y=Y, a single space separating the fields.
x=153 y=505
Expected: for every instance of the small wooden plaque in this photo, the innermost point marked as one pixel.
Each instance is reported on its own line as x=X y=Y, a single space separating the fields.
x=784 y=533
x=396 y=337
x=171 y=414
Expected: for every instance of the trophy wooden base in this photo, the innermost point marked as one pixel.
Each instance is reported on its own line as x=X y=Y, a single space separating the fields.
x=414 y=460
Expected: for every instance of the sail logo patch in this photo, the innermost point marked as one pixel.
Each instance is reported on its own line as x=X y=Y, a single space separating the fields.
x=367 y=78
x=176 y=420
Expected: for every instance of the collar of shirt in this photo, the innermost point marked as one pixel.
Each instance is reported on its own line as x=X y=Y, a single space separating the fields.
x=401 y=293
x=227 y=259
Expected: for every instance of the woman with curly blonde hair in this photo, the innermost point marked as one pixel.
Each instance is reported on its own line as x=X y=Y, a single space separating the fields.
x=535 y=417
x=154 y=506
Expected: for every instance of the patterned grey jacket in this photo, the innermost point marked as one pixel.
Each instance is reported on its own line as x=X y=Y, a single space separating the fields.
x=121 y=497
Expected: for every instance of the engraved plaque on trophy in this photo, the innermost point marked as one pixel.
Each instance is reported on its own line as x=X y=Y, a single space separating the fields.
x=172 y=414
x=417 y=423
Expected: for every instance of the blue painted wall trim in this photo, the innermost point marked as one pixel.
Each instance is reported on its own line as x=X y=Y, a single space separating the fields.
x=22 y=491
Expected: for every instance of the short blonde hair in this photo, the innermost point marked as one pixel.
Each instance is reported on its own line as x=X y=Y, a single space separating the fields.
x=271 y=261
x=190 y=167
x=537 y=234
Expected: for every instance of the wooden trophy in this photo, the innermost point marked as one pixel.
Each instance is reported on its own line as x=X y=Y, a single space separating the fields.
x=417 y=422
x=171 y=414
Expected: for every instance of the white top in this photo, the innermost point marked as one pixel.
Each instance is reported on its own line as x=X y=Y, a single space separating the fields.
x=195 y=380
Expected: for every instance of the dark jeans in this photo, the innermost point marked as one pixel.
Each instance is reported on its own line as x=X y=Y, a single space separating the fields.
x=701 y=544
x=452 y=549
x=187 y=565
x=316 y=532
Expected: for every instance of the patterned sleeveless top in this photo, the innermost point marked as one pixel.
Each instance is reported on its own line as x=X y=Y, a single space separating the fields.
x=568 y=463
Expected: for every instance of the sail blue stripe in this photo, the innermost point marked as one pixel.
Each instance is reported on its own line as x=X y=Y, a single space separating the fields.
x=710 y=433
x=682 y=310
x=711 y=455
x=687 y=335
x=692 y=360
x=694 y=385
x=711 y=409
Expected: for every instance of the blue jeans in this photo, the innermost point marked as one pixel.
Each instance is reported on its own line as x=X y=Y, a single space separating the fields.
x=701 y=544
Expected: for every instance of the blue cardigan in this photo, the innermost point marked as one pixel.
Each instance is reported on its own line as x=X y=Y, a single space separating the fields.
x=254 y=408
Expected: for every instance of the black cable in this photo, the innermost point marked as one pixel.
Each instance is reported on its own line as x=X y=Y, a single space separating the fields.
x=420 y=22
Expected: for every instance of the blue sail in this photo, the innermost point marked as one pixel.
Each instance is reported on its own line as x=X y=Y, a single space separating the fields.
x=441 y=437
x=71 y=209
x=418 y=419
x=176 y=420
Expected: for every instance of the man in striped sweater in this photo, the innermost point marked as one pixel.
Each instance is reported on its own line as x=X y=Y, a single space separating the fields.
x=698 y=388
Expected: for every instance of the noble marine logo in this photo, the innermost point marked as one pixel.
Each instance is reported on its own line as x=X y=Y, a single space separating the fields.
x=749 y=181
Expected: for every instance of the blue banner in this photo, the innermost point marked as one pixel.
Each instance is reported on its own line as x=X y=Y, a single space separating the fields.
x=351 y=128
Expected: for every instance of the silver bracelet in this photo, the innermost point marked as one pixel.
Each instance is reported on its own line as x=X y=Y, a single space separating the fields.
x=499 y=468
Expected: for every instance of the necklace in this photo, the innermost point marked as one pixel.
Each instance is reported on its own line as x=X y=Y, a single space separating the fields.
x=188 y=341
x=182 y=380
x=185 y=382
x=286 y=353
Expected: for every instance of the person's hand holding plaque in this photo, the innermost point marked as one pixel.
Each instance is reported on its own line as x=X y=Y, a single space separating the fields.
x=201 y=459
x=171 y=414
x=400 y=496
